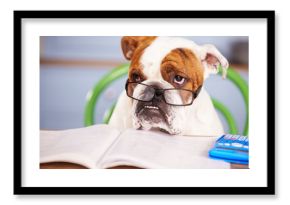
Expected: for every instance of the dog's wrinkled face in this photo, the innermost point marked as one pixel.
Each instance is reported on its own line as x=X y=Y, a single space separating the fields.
x=166 y=63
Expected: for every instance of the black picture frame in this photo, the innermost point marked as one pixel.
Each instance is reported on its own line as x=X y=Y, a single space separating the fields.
x=19 y=189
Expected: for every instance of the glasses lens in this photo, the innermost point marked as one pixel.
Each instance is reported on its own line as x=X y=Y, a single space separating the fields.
x=140 y=91
x=178 y=97
x=146 y=93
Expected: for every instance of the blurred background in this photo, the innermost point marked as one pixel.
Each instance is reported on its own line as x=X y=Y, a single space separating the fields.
x=70 y=66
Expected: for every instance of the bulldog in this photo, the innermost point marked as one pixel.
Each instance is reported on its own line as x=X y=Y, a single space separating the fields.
x=165 y=89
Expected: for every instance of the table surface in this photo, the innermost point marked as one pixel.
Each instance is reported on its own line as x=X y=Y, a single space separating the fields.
x=66 y=165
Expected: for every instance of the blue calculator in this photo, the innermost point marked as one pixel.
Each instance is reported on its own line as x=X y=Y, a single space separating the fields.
x=231 y=148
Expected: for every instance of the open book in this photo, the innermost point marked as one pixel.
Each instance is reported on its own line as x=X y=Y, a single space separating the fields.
x=101 y=146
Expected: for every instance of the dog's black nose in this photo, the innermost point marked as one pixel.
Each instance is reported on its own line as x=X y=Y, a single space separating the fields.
x=158 y=92
x=158 y=97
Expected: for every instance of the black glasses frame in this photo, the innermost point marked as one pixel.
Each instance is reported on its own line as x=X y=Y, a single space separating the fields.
x=194 y=93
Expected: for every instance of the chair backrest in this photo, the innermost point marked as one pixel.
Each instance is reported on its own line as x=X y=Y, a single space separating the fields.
x=122 y=70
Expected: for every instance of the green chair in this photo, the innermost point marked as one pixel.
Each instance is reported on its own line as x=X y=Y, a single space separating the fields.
x=122 y=70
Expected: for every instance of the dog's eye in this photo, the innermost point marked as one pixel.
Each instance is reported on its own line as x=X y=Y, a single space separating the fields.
x=136 y=77
x=179 y=80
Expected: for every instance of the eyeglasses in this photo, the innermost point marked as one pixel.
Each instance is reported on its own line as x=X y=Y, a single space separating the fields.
x=148 y=92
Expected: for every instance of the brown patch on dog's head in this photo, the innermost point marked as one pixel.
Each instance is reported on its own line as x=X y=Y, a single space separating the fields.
x=133 y=47
x=183 y=62
x=134 y=44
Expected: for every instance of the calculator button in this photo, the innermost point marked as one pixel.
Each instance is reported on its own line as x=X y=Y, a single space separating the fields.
x=242 y=138
x=226 y=137
x=235 y=137
x=235 y=144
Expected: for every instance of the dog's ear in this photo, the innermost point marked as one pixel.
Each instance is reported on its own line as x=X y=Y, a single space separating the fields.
x=211 y=59
x=129 y=44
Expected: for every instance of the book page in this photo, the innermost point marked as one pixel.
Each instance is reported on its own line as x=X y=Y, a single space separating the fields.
x=152 y=149
x=84 y=146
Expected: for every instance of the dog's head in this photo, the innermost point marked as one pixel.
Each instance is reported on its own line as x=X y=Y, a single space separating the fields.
x=165 y=76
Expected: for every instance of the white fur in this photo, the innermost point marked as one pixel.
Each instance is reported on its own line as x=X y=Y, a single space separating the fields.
x=155 y=53
x=200 y=118
x=175 y=114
